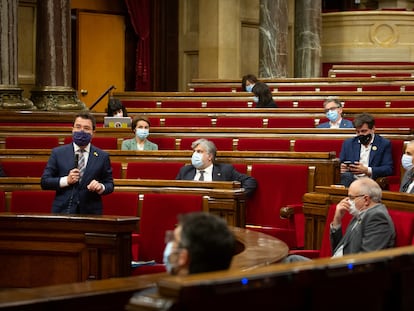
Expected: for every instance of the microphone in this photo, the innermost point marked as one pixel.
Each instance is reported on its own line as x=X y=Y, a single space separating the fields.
x=76 y=160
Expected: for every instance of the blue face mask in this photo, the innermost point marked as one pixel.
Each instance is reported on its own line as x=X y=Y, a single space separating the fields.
x=197 y=160
x=142 y=133
x=81 y=138
x=249 y=87
x=332 y=115
x=256 y=99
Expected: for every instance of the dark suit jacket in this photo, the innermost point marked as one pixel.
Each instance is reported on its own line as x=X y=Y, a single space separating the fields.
x=380 y=157
x=221 y=172
x=373 y=231
x=408 y=175
x=344 y=124
x=77 y=198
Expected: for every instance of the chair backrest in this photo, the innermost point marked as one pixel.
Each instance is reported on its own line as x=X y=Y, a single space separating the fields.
x=158 y=212
x=239 y=122
x=222 y=143
x=318 y=145
x=291 y=123
x=278 y=186
x=31 y=142
x=404 y=227
x=153 y=170
x=188 y=122
x=116 y=169
x=398 y=122
x=263 y=144
x=23 y=168
x=121 y=203
x=32 y=201
x=164 y=143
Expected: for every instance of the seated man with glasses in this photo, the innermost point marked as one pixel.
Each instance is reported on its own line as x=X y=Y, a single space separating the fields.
x=333 y=110
x=371 y=227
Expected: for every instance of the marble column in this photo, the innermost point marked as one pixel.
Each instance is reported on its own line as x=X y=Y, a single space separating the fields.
x=307 y=38
x=53 y=89
x=273 y=39
x=10 y=93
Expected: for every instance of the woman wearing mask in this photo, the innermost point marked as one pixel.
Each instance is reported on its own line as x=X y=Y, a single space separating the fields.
x=248 y=81
x=115 y=108
x=263 y=96
x=140 y=127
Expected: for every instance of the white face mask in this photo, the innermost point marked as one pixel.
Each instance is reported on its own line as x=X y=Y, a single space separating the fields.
x=249 y=87
x=142 y=133
x=352 y=208
x=166 y=257
x=407 y=161
x=119 y=114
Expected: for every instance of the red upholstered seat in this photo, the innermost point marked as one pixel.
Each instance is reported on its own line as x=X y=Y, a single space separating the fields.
x=228 y=104
x=318 y=145
x=212 y=89
x=383 y=87
x=164 y=143
x=116 y=169
x=23 y=168
x=278 y=186
x=181 y=104
x=291 y=123
x=397 y=122
x=222 y=143
x=365 y=103
x=31 y=142
x=395 y=179
x=153 y=170
x=263 y=144
x=139 y=103
x=239 y=122
x=32 y=201
x=190 y=122
x=159 y=213
x=402 y=103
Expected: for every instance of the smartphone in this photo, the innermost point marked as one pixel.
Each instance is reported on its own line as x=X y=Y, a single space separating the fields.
x=347 y=162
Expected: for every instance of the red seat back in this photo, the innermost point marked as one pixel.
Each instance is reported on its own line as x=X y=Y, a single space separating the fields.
x=116 y=169
x=164 y=143
x=263 y=144
x=159 y=213
x=291 y=123
x=404 y=227
x=2 y=201
x=239 y=122
x=120 y=203
x=23 y=168
x=187 y=122
x=222 y=143
x=31 y=142
x=318 y=145
x=153 y=170
x=106 y=143
x=32 y=201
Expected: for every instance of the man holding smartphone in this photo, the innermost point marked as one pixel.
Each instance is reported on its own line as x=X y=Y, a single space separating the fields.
x=367 y=154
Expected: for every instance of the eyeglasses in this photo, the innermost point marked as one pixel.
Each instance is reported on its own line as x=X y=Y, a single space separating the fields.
x=353 y=197
x=331 y=109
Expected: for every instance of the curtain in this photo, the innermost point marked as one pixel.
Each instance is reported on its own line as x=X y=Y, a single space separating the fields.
x=139 y=13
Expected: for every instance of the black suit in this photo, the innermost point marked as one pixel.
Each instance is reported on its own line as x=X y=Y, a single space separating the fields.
x=221 y=172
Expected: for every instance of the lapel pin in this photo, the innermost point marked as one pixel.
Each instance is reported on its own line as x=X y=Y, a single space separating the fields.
x=374 y=148
x=95 y=153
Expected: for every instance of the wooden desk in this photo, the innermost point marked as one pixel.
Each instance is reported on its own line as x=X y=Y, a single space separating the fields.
x=46 y=249
x=257 y=250
x=225 y=198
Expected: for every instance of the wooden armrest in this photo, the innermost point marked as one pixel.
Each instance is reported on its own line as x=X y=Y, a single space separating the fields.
x=287 y=212
x=383 y=182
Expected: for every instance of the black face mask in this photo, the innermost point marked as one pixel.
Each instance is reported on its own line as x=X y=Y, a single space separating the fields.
x=365 y=139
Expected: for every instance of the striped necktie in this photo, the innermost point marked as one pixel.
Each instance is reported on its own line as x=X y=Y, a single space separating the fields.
x=81 y=163
x=201 y=176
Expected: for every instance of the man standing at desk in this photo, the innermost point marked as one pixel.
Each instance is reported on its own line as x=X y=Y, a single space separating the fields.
x=204 y=168
x=79 y=172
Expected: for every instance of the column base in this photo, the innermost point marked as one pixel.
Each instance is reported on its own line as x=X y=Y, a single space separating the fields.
x=11 y=99
x=56 y=98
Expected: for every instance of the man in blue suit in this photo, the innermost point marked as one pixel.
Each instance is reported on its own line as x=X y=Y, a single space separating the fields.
x=333 y=110
x=79 y=172
x=204 y=168
x=367 y=154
